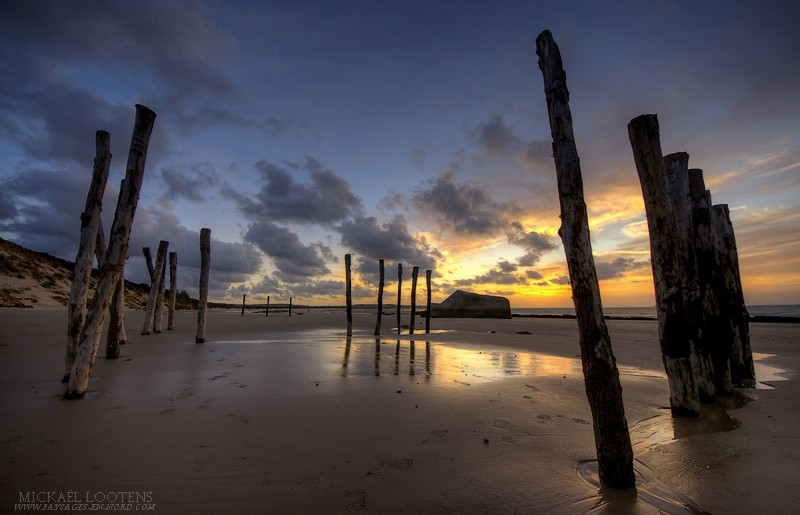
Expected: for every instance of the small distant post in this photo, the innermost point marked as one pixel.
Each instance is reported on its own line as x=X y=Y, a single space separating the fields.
x=290 y=307
x=380 y=298
x=267 y=310
x=428 y=274
x=348 y=294
x=205 y=264
x=173 y=289
x=414 y=276
x=244 y=299
x=399 y=292
x=158 y=314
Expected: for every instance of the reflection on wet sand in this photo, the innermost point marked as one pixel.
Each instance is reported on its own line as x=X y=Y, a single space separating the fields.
x=447 y=364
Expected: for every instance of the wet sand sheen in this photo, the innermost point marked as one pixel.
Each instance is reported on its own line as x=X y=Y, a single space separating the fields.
x=284 y=416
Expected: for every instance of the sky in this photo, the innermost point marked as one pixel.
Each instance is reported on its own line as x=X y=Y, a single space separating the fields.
x=410 y=131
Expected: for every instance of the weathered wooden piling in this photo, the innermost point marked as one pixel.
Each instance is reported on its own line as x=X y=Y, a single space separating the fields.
x=156 y=284
x=677 y=168
x=173 y=290
x=112 y=269
x=87 y=246
x=116 y=322
x=742 y=366
x=414 y=276
x=348 y=294
x=601 y=377
x=718 y=332
x=381 y=281
x=158 y=313
x=290 y=307
x=205 y=268
x=244 y=299
x=428 y=274
x=266 y=311
x=674 y=335
x=399 y=295
x=148 y=260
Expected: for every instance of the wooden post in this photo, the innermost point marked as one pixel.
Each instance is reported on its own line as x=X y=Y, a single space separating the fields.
x=601 y=377
x=348 y=297
x=112 y=269
x=677 y=168
x=116 y=322
x=158 y=313
x=155 y=285
x=244 y=298
x=399 y=294
x=205 y=265
x=718 y=332
x=87 y=246
x=414 y=276
x=674 y=335
x=267 y=309
x=742 y=367
x=173 y=289
x=380 y=298
x=148 y=260
x=290 y=307
x=428 y=302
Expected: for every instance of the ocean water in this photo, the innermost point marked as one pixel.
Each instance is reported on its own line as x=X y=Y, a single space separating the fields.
x=785 y=310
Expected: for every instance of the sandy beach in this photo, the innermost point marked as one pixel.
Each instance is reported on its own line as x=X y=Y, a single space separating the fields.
x=287 y=415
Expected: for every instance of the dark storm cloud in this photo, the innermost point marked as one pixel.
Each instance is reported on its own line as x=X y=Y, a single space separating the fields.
x=177 y=41
x=498 y=139
x=295 y=261
x=43 y=207
x=463 y=207
x=391 y=241
x=617 y=268
x=191 y=181
x=534 y=243
x=496 y=276
x=327 y=199
x=230 y=262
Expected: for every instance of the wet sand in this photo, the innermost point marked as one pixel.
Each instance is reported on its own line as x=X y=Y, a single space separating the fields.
x=285 y=415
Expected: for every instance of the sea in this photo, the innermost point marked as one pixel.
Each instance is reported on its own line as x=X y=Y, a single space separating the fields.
x=783 y=310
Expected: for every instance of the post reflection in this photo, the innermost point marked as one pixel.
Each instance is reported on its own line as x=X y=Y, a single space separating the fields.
x=446 y=362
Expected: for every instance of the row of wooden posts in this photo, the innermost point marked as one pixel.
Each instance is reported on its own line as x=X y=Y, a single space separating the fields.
x=381 y=284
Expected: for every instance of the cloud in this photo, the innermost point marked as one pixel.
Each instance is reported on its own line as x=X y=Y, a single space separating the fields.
x=295 y=261
x=495 y=138
x=617 y=267
x=534 y=243
x=230 y=262
x=327 y=199
x=465 y=208
x=496 y=276
x=391 y=241
x=191 y=181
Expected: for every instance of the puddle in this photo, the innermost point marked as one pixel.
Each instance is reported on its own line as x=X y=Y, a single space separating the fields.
x=766 y=374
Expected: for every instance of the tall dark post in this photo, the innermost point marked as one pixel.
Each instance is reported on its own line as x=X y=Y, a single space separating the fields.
x=348 y=294
x=399 y=295
x=266 y=311
x=414 y=276
x=244 y=302
x=173 y=290
x=601 y=377
x=290 y=307
x=742 y=366
x=380 y=298
x=205 y=270
x=676 y=337
x=428 y=303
